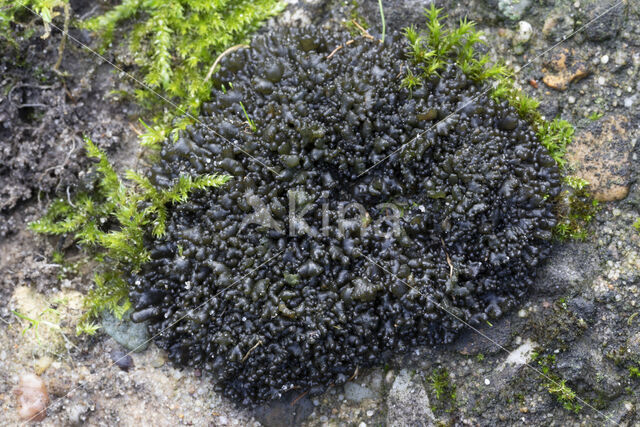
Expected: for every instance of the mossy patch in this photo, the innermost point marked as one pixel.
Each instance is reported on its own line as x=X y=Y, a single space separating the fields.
x=111 y=223
x=439 y=46
x=555 y=385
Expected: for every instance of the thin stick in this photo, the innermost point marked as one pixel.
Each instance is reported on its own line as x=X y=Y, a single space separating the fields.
x=222 y=55
x=448 y=258
x=338 y=48
x=355 y=374
x=251 y=349
x=298 y=398
x=67 y=14
x=363 y=32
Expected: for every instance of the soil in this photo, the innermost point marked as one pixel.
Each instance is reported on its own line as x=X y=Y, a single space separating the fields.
x=581 y=317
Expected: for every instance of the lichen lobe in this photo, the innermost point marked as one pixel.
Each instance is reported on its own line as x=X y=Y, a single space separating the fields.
x=265 y=311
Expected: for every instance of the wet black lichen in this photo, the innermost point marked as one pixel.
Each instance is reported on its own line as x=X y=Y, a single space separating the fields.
x=267 y=301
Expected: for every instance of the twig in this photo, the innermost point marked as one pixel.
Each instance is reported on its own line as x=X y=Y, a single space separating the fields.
x=69 y=198
x=251 y=349
x=222 y=55
x=63 y=163
x=363 y=32
x=36 y=105
x=355 y=374
x=67 y=14
x=299 y=397
x=448 y=258
x=339 y=47
x=89 y=13
x=21 y=85
x=135 y=129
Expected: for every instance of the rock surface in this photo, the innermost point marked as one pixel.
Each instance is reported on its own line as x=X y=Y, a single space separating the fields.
x=563 y=70
x=408 y=403
x=601 y=154
x=32 y=398
x=132 y=336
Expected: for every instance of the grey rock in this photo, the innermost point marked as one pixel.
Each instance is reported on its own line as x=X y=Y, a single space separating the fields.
x=78 y=413
x=633 y=346
x=132 y=336
x=582 y=308
x=513 y=9
x=607 y=20
x=290 y=410
x=583 y=369
x=357 y=393
x=569 y=265
x=122 y=360
x=524 y=33
x=557 y=26
x=408 y=403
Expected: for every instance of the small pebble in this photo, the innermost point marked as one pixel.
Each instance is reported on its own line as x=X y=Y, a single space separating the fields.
x=390 y=377
x=42 y=364
x=32 y=398
x=601 y=80
x=604 y=59
x=370 y=413
x=620 y=58
x=486 y=381
x=122 y=360
x=571 y=100
x=524 y=33
x=628 y=102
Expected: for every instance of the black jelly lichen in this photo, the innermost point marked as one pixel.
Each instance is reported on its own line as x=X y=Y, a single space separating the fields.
x=268 y=301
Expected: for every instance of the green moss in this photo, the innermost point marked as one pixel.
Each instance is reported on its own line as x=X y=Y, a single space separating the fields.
x=556 y=135
x=111 y=223
x=596 y=115
x=576 y=209
x=175 y=43
x=555 y=385
x=355 y=16
x=440 y=46
x=445 y=390
x=14 y=11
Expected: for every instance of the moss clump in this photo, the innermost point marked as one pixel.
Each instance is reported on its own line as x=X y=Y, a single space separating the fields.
x=176 y=42
x=17 y=11
x=555 y=385
x=445 y=390
x=575 y=209
x=436 y=48
x=112 y=219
